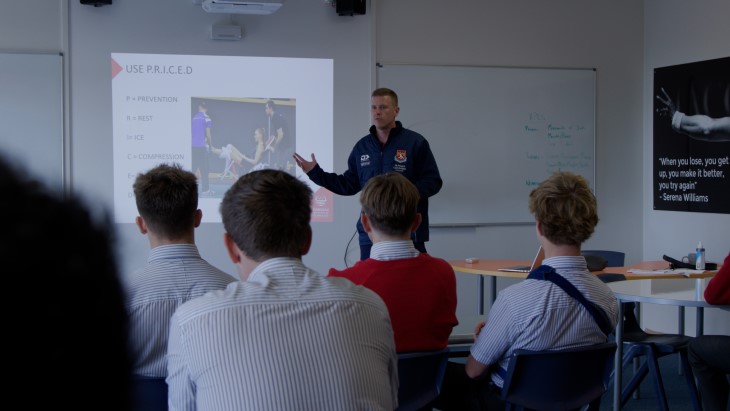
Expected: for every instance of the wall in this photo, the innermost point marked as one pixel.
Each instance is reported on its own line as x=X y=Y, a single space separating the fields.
x=301 y=28
x=566 y=34
x=678 y=32
x=623 y=39
x=33 y=26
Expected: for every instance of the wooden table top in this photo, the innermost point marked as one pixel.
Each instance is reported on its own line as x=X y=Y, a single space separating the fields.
x=491 y=267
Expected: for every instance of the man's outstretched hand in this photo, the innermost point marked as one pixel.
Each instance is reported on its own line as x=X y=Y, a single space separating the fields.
x=305 y=165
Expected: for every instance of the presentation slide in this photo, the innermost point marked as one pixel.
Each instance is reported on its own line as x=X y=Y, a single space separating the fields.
x=220 y=117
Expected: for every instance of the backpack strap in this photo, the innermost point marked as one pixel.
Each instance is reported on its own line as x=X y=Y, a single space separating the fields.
x=545 y=272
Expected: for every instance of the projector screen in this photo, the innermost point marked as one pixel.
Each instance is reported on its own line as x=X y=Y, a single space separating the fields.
x=162 y=103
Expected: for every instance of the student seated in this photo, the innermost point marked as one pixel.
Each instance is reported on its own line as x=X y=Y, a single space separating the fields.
x=284 y=337
x=419 y=290
x=167 y=201
x=67 y=326
x=537 y=314
x=708 y=354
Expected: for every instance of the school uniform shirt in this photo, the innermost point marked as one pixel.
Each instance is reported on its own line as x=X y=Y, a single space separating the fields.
x=419 y=290
x=174 y=274
x=539 y=315
x=289 y=338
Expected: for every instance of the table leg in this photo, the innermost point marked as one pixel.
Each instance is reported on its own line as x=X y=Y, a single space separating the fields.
x=480 y=296
x=637 y=362
x=680 y=331
x=618 y=361
x=480 y=293
x=680 y=320
x=700 y=310
x=700 y=321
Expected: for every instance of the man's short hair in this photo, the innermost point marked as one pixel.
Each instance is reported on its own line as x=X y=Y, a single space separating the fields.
x=267 y=214
x=390 y=201
x=386 y=92
x=167 y=199
x=566 y=207
x=271 y=104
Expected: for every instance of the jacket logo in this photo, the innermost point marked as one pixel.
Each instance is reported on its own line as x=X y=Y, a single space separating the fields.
x=401 y=156
x=364 y=160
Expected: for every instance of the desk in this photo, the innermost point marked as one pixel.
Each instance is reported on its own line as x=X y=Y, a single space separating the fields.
x=488 y=267
x=641 y=291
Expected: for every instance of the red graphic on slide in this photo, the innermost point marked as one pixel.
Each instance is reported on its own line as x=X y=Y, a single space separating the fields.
x=116 y=68
x=322 y=206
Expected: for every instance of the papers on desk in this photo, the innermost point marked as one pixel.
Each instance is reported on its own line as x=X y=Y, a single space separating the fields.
x=678 y=271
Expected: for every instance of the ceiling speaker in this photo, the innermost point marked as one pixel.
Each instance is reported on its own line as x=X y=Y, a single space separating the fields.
x=96 y=3
x=350 y=7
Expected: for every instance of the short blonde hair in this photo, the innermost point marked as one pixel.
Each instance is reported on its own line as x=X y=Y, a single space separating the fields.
x=390 y=201
x=566 y=207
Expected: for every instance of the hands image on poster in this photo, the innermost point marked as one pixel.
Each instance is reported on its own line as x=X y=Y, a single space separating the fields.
x=697 y=126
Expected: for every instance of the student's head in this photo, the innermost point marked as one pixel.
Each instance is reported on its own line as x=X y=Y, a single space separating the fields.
x=266 y=214
x=167 y=200
x=389 y=202
x=69 y=330
x=565 y=207
x=202 y=106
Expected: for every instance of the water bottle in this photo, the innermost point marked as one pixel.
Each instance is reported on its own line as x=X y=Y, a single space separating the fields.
x=700 y=257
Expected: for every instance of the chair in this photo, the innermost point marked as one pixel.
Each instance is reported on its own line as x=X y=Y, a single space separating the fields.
x=611 y=277
x=149 y=393
x=613 y=258
x=639 y=344
x=420 y=376
x=558 y=380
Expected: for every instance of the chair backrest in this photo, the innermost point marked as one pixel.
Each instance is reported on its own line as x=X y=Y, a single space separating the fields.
x=149 y=394
x=611 y=277
x=558 y=380
x=420 y=375
x=614 y=258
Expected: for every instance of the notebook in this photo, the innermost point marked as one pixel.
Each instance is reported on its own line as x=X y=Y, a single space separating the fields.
x=527 y=268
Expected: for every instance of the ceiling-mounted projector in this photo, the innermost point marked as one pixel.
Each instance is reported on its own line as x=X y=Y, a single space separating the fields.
x=242 y=7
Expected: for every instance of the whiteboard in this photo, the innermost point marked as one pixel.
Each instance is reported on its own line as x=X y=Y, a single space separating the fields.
x=496 y=133
x=31 y=114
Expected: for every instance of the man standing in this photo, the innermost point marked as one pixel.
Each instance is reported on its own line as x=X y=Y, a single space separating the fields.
x=284 y=337
x=201 y=146
x=167 y=201
x=388 y=147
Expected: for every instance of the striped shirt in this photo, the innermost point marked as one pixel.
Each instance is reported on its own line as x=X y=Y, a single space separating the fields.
x=393 y=250
x=173 y=275
x=286 y=339
x=539 y=315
